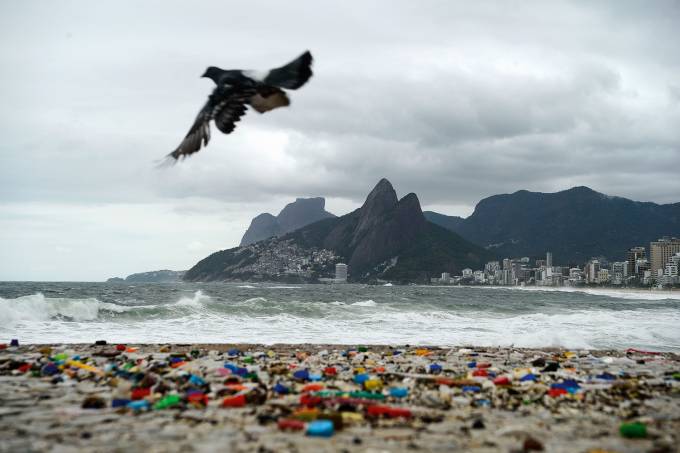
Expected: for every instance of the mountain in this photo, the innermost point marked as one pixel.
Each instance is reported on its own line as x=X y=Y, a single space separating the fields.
x=574 y=224
x=162 y=276
x=386 y=238
x=450 y=222
x=301 y=212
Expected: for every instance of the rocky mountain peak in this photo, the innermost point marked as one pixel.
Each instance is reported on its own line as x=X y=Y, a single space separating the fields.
x=379 y=202
x=297 y=214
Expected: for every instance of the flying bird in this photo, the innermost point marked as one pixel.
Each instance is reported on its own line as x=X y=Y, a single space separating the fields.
x=235 y=89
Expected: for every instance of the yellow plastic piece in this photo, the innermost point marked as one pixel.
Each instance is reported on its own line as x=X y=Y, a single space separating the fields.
x=373 y=384
x=351 y=417
x=84 y=366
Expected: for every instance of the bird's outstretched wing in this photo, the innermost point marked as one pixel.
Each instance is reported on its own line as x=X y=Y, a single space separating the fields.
x=226 y=105
x=293 y=75
x=268 y=98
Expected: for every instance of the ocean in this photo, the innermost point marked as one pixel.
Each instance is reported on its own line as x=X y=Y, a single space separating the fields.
x=36 y=312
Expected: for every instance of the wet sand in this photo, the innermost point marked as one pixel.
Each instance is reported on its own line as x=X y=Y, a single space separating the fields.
x=362 y=398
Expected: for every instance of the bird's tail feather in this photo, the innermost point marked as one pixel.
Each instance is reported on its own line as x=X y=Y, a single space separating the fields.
x=293 y=75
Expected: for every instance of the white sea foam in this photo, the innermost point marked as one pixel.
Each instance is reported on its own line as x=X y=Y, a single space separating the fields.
x=629 y=294
x=464 y=317
x=364 y=303
x=247 y=286
x=197 y=301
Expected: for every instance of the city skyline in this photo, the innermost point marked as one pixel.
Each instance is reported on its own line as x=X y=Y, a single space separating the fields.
x=635 y=271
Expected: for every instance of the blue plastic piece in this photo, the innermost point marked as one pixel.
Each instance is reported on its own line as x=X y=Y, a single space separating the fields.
x=281 y=389
x=233 y=352
x=528 y=377
x=361 y=378
x=138 y=405
x=320 y=428
x=472 y=388
x=196 y=380
x=301 y=374
x=49 y=370
x=569 y=385
x=435 y=368
x=236 y=369
x=606 y=376
x=14 y=342
x=315 y=377
x=472 y=364
x=398 y=392
x=482 y=402
x=119 y=402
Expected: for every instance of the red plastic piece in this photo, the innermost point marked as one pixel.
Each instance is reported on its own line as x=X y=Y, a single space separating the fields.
x=121 y=347
x=234 y=401
x=24 y=367
x=289 y=424
x=387 y=411
x=502 y=380
x=312 y=387
x=140 y=393
x=557 y=392
x=483 y=365
x=199 y=398
x=482 y=373
x=309 y=400
x=330 y=371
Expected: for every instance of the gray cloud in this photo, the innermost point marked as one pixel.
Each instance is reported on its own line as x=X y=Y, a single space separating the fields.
x=451 y=101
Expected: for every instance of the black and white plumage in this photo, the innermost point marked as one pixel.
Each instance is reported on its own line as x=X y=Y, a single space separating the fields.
x=235 y=90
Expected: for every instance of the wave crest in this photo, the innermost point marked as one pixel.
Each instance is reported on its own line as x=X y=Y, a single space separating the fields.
x=37 y=307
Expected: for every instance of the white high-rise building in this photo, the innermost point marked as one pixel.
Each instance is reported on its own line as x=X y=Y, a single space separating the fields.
x=591 y=271
x=341 y=272
x=548 y=260
x=661 y=251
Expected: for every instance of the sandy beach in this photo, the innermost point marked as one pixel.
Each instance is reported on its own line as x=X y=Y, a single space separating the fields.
x=336 y=398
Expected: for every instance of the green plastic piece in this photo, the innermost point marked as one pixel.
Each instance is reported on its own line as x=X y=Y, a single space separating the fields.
x=635 y=430
x=61 y=356
x=248 y=359
x=367 y=395
x=362 y=349
x=676 y=376
x=168 y=401
x=329 y=393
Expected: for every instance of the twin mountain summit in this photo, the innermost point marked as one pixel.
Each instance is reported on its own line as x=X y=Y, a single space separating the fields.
x=392 y=239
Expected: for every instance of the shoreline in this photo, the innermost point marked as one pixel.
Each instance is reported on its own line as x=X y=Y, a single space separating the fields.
x=249 y=397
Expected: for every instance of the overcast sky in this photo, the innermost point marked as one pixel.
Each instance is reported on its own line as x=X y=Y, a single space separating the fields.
x=451 y=101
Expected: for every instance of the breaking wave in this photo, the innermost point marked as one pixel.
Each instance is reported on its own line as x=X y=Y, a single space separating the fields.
x=347 y=314
x=37 y=307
